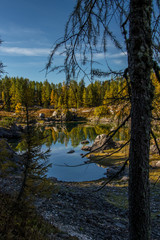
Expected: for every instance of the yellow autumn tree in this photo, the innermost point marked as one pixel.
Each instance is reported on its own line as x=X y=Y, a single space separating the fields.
x=18 y=108
x=52 y=97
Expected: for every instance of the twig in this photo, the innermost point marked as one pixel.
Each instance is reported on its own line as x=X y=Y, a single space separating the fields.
x=106 y=156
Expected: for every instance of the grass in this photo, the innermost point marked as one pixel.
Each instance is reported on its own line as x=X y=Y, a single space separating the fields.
x=119 y=158
x=104 y=160
x=118 y=199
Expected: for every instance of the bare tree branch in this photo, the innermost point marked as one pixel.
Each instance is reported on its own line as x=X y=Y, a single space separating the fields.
x=114 y=176
x=110 y=135
x=109 y=155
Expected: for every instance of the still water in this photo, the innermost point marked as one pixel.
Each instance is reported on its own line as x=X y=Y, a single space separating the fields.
x=69 y=167
x=63 y=138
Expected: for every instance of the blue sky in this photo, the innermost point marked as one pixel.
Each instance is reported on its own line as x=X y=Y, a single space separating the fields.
x=29 y=28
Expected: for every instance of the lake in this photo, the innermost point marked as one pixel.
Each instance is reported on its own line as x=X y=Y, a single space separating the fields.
x=61 y=138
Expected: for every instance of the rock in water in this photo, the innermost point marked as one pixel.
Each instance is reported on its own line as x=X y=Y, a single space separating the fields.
x=86 y=148
x=101 y=142
x=71 y=151
x=85 y=142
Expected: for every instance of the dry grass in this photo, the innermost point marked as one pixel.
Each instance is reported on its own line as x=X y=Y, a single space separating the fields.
x=7 y=114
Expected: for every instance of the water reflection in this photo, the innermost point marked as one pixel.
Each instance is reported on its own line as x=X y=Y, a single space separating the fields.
x=61 y=138
x=65 y=133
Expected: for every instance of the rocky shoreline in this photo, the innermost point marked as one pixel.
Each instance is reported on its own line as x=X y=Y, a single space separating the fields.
x=79 y=210
x=82 y=211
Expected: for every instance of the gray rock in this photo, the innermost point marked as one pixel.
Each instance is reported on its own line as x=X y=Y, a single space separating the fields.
x=86 y=148
x=85 y=142
x=100 y=143
x=71 y=151
x=111 y=171
x=120 y=225
x=155 y=164
x=68 y=116
x=153 y=149
x=55 y=114
x=125 y=178
x=158 y=164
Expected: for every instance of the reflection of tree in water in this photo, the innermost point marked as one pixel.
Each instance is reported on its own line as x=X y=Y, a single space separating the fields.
x=63 y=134
x=38 y=139
x=75 y=134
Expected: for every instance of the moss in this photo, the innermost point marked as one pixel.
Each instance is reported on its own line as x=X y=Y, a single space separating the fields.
x=103 y=160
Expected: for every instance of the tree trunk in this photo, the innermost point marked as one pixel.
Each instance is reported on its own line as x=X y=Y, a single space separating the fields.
x=140 y=64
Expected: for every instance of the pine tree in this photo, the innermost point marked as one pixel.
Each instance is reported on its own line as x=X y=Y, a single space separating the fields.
x=85 y=98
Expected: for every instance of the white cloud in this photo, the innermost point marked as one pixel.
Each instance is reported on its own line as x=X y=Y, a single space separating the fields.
x=110 y=55
x=14 y=30
x=14 y=51
x=117 y=61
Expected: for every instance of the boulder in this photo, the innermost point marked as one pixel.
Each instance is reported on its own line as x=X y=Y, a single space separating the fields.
x=71 y=151
x=111 y=171
x=84 y=142
x=158 y=164
x=68 y=116
x=155 y=164
x=55 y=114
x=125 y=179
x=86 y=148
x=100 y=142
x=63 y=116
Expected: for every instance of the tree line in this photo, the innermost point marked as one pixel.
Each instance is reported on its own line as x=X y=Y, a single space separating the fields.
x=13 y=91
